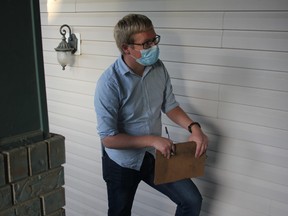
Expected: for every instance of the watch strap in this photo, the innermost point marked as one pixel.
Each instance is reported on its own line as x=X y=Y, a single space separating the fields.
x=191 y=125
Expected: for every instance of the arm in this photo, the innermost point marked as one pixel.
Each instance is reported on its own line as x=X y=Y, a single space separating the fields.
x=178 y=116
x=125 y=141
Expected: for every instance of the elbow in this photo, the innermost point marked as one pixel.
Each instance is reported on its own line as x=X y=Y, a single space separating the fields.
x=107 y=142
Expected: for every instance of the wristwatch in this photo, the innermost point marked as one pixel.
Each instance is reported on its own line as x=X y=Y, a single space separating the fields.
x=190 y=126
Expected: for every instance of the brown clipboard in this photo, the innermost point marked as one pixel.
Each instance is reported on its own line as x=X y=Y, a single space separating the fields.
x=182 y=165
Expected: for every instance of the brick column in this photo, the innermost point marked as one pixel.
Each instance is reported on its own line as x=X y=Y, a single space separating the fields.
x=32 y=178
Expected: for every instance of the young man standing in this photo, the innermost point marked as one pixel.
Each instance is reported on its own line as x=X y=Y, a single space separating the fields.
x=129 y=98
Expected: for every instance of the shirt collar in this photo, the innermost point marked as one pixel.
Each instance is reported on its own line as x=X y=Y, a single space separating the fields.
x=124 y=69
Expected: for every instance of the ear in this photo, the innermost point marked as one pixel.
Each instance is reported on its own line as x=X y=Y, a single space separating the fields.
x=125 y=48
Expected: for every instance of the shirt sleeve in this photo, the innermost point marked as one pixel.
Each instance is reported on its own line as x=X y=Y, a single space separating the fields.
x=169 y=101
x=106 y=105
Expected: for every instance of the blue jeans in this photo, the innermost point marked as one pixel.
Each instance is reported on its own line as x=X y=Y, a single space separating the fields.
x=122 y=184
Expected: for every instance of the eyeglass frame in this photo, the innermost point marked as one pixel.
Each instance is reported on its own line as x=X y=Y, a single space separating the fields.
x=148 y=43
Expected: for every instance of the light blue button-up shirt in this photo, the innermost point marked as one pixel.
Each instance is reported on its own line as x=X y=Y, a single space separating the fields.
x=128 y=103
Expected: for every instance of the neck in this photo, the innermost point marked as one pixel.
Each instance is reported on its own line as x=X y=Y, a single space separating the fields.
x=133 y=65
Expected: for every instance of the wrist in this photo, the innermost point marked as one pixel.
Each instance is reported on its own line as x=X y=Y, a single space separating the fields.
x=193 y=124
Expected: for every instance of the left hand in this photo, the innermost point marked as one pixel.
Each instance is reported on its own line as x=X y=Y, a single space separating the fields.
x=201 y=141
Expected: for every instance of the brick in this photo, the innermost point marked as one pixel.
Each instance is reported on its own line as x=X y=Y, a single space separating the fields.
x=60 y=212
x=2 y=171
x=17 y=163
x=31 y=208
x=38 y=158
x=53 y=201
x=5 y=197
x=9 y=212
x=56 y=151
x=37 y=185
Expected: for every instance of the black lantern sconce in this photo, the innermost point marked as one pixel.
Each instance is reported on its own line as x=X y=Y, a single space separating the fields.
x=66 y=49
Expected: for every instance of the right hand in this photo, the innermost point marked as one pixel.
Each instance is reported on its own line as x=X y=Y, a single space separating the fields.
x=164 y=145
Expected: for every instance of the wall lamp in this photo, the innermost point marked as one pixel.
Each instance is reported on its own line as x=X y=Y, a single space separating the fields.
x=65 y=48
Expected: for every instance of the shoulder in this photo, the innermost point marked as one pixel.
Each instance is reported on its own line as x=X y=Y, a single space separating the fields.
x=159 y=65
x=160 y=69
x=110 y=75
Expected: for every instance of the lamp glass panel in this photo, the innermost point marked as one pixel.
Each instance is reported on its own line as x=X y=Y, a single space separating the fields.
x=64 y=58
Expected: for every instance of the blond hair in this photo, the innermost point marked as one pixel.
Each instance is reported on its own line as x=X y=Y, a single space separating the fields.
x=128 y=26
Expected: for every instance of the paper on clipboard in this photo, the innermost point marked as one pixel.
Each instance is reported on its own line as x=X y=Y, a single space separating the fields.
x=180 y=166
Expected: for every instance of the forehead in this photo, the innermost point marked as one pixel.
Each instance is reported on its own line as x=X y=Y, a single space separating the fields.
x=144 y=36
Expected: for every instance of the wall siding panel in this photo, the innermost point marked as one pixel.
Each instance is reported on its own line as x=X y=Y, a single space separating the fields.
x=246 y=184
x=255 y=97
x=184 y=5
x=227 y=60
x=272 y=41
x=254 y=115
x=261 y=21
x=276 y=61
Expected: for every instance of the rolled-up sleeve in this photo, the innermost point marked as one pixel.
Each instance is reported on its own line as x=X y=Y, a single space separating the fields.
x=106 y=105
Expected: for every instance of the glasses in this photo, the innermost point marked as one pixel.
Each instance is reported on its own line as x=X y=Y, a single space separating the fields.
x=147 y=44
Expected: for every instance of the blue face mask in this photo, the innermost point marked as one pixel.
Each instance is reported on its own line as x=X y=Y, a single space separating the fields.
x=149 y=56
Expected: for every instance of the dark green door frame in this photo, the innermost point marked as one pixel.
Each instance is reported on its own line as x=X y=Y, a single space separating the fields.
x=23 y=106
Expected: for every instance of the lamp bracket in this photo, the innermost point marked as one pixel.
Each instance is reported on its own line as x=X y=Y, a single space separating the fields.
x=72 y=39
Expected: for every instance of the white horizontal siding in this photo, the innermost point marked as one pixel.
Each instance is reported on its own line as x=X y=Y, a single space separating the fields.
x=228 y=63
x=272 y=41
x=261 y=21
x=254 y=115
x=256 y=97
x=161 y=5
x=246 y=184
x=275 y=61
x=255 y=78
x=195 y=89
x=69 y=98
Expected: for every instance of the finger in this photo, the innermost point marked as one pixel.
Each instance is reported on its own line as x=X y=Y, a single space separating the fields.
x=202 y=149
x=205 y=146
x=168 y=153
x=198 y=150
x=173 y=150
x=169 y=149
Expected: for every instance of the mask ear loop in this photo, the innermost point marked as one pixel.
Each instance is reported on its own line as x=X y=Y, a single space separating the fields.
x=127 y=52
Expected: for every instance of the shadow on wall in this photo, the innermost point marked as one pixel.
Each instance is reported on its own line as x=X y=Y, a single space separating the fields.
x=200 y=113
x=206 y=184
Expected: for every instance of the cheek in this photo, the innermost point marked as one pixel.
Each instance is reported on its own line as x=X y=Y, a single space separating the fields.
x=136 y=54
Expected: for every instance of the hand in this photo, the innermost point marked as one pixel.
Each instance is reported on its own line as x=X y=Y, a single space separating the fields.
x=201 y=141
x=164 y=145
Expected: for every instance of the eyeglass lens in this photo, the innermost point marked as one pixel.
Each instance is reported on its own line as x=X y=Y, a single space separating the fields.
x=154 y=41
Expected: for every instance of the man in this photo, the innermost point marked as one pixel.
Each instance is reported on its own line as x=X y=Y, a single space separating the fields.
x=129 y=98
